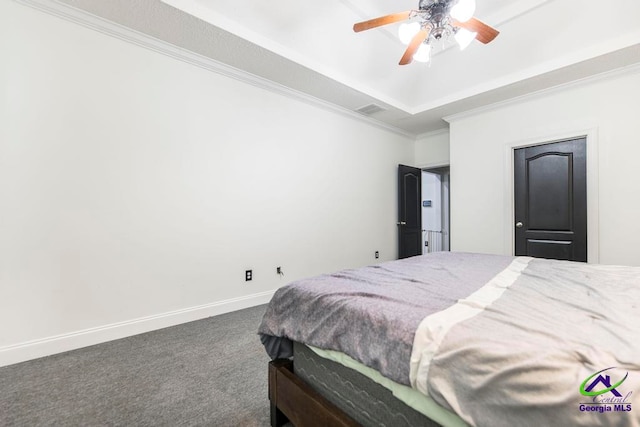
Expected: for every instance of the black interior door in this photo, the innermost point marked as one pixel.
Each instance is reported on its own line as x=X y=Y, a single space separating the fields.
x=409 y=211
x=551 y=200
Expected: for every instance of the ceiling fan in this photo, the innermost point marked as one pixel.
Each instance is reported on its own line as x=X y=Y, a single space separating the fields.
x=434 y=20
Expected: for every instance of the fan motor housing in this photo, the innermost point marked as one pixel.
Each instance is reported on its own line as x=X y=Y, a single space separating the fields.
x=436 y=11
x=427 y=4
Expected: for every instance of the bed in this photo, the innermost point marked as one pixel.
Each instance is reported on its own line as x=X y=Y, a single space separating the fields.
x=457 y=339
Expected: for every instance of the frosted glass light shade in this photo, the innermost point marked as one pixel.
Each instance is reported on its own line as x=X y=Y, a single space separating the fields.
x=407 y=31
x=464 y=38
x=463 y=10
x=423 y=54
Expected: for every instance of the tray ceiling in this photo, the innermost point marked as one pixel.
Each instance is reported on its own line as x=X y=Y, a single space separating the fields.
x=311 y=48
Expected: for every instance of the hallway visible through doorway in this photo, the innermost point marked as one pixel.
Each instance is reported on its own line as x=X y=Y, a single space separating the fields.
x=435 y=210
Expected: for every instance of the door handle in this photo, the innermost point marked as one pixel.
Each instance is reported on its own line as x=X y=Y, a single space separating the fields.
x=519 y=224
x=401 y=223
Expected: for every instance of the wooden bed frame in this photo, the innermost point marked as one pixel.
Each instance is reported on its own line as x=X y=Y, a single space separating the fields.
x=292 y=400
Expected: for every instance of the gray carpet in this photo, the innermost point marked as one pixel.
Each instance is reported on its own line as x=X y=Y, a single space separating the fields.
x=211 y=372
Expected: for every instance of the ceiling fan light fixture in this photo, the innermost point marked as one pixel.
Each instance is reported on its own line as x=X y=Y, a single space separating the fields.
x=407 y=30
x=463 y=10
x=434 y=21
x=464 y=37
x=423 y=54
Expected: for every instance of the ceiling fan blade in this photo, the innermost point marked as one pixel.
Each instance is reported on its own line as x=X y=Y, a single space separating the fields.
x=413 y=46
x=486 y=33
x=383 y=20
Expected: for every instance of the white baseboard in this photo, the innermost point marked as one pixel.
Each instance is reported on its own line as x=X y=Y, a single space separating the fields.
x=57 y=344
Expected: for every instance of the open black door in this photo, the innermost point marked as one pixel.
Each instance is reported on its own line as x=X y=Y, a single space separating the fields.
x=409 y=211
x=551 y=200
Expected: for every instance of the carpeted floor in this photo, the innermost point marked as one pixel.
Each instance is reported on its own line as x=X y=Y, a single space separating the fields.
x=211 y=372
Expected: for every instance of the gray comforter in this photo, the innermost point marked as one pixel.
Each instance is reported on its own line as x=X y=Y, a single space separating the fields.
x=372 y=313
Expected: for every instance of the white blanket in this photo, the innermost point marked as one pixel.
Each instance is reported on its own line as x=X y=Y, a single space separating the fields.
x=543 y=343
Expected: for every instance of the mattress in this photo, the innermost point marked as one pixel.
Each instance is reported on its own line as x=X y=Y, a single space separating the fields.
x=378 y=400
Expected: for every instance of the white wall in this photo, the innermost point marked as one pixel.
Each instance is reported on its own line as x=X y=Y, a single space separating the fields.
x=432 y=149
x=135 y=189
x=608 y=106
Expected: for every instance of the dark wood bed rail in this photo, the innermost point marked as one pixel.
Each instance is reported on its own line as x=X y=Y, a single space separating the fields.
x=294 y=401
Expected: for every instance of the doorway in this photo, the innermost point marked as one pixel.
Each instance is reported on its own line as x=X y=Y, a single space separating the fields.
x=435 y=210
x=550 y=195
x=423 y=210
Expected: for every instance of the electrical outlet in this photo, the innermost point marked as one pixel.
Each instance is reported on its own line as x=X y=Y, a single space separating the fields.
x=377 y=254
x=248 y=275
x=279 y=270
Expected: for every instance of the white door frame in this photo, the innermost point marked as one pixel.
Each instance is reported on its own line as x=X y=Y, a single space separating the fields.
x=591 y=135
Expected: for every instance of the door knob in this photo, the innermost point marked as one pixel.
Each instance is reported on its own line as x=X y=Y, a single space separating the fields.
x=519 y=224
x=402 y=223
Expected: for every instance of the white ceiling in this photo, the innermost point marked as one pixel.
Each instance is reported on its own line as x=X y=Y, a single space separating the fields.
x=310 y=47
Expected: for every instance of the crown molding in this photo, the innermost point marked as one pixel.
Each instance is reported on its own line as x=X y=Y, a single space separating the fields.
x=196 y=9
x=629 y=69
x=112 y=29
x=433 y=133
x=572 y=59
